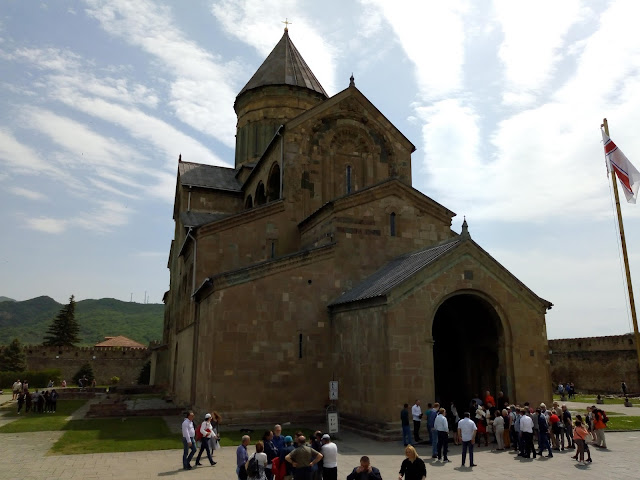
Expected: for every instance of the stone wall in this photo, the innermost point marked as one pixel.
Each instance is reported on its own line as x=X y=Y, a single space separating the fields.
x=125 y=363
x=596 y=364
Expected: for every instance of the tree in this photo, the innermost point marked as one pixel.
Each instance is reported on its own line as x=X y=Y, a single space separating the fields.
x=64 y=330
x=12 y=358
x=85 y=370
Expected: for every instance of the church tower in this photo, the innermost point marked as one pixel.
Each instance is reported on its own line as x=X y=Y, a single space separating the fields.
x=281 y=89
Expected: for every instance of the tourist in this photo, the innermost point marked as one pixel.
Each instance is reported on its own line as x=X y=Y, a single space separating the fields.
x=206 y=430
x=623 y=386
x=17 y=388
x=482 y=426
x=488 y=399
x=526 y=431
x=406 y=428
x=47 y=401
x=21 y=397
x=215 y=427
x=412 y=468
x=365 y=471
x=242 y=456
x=27 y=401
x=261 y=463
x=441 y=427
x=572 y=391
x=568 y=426
x=453 y=424
x=506 y=436
x=513 y=436
x=431 y=419
x=557 y=434
x=599 y=424
x=50 y=384
x=278 y=439
x=498 y=426
x=303 y=459
x=416 y=413
x=25 y=386
x=329 y=458
x=284 y=451
x=586 y=443
x=580 y=435
x=53 y=398
x=467 y=431
x=271 y=452
x=502 y=401
x=543 y=433
x=64 y=384
x=561 y=389
x=188 y=441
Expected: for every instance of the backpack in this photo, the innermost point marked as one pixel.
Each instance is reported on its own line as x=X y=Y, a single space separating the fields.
x=605 y=419
x=252 y=467
x=198 y=434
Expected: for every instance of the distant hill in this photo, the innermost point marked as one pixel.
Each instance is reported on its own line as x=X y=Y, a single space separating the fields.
x=29 y=320
x=6 y=299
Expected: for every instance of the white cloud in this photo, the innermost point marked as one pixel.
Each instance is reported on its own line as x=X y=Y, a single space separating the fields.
x=202 y=90
x=533 y=42
x=46 y=225
x=27 y=193
x=23 y=159
x=258 y=23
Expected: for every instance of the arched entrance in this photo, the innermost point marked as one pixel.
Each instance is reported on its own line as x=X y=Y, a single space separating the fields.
x=468 y=351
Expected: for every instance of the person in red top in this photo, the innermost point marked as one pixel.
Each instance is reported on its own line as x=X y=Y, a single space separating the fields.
x=580 y=435
x=599 y=424
x=554 y=421
x=488 y=398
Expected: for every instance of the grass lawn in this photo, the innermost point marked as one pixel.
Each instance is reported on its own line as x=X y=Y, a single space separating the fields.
x=105 y=435
x=623 y=422
x=591 y=399
x=232 y=438
x=39 y=422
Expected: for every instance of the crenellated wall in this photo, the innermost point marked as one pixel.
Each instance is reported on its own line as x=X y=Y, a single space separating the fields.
x=596 y=364
x=106 y=362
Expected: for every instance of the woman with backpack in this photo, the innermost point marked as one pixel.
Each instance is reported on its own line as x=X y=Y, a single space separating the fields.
x=256 y=464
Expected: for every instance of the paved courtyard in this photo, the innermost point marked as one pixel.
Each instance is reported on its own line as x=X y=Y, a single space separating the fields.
x=24 y=457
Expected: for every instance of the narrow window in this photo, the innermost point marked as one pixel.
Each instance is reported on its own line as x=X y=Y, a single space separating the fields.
x=392 y=224
x=273 y=249
x=348 y=178
x=300 y=346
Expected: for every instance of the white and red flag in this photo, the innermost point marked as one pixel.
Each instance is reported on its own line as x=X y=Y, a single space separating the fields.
x=627 y=174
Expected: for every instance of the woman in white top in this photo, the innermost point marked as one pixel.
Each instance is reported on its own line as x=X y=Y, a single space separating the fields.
x=498 y=425
x=261 y=458
x=205 y=443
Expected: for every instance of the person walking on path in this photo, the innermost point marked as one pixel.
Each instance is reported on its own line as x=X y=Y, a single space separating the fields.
x=206 y=430
x=406 y=428
x=330 y=458
x=441 y=426
x=412 y=468
x=188 y=441
x=416 y=413
x=467 y=431
x=599 y=424
x=242 y=455
x=365 y=471
x=543 y=434
x=580 y=435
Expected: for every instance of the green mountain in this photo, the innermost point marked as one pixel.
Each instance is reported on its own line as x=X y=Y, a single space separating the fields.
x=29 y=320
x=6 y=299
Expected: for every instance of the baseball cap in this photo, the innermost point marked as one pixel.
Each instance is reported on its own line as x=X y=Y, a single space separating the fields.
x=208 y=415
x=288 y=439
x=326 y=437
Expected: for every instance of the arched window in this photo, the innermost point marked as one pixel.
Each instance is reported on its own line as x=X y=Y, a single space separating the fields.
x=392 y=224
x=348 y=179
x=261 y=198
x=248 y=202
x=273 y=184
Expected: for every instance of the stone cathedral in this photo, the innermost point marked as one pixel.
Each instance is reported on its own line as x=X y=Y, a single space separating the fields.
x=314 y=259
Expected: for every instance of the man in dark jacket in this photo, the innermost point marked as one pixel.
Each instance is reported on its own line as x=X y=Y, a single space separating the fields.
x=365 y=471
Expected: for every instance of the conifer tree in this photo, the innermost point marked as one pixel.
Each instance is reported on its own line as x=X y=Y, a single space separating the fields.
x=12 y=358
x=64 y=330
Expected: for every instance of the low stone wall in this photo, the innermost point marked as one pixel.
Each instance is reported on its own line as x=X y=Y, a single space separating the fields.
x=596 y=364
x=122 y=362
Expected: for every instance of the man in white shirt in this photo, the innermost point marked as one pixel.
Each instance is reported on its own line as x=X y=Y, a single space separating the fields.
x=416 y=413
x=188 y=441
x=330 y=458
x=441 y=425
x=467 y=432
x=526 y=430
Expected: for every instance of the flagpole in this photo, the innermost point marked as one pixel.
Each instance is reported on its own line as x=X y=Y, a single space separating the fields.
x=632 y=302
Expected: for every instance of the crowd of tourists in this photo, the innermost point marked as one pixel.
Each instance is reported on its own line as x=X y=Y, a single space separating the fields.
x=45 y=401
x=515 y=427
x=568 y=389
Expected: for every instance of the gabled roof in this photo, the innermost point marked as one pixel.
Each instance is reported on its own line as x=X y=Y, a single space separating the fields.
x=119 y=341
x=208 y=176
x=284 y=66
x=395 y=272
x=196 y=219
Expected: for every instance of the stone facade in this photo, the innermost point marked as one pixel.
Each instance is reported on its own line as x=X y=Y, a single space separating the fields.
x=596 y=364
x=252 y=327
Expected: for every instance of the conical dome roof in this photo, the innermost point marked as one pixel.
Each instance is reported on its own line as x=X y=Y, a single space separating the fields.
x=284 y=66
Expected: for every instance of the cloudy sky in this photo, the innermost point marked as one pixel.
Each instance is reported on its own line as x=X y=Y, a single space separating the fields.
x=503 y=99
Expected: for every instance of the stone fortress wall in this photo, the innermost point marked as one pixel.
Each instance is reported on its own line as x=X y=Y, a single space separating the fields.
x=123 y=362
x=596 y=364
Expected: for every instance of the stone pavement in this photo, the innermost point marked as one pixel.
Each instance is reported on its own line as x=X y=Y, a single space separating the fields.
x=24 y=457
